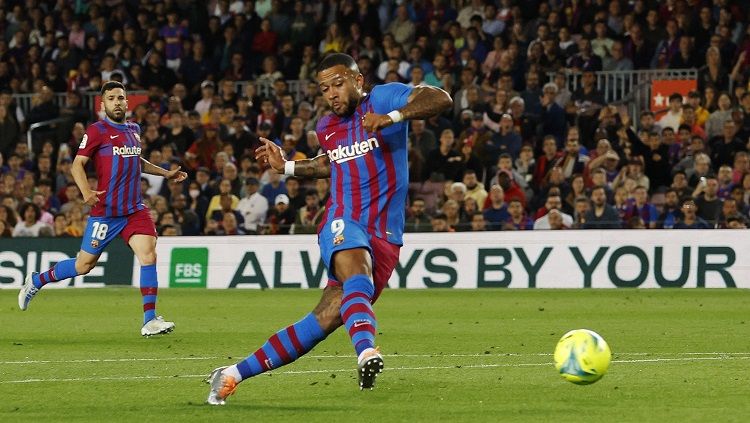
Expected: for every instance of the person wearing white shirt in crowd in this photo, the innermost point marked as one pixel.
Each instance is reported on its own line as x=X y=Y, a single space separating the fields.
x=253 y=206
x=208 y=89
x=30 y=225
x=673 y=117
x=553 y=202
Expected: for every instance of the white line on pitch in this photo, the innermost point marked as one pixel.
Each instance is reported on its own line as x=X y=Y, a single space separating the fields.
x=301 y=372
x=332 y=356
x=109 y=360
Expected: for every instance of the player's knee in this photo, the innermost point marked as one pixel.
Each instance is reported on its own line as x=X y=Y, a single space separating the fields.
x=148 y=258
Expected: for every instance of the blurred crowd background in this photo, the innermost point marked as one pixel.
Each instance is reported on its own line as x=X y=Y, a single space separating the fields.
x=530 y=143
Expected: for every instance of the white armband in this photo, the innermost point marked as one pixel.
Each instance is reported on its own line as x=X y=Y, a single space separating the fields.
x=289 y=168
x=396 y=116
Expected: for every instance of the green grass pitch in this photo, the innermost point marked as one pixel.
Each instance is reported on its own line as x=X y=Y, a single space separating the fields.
x=453 y=356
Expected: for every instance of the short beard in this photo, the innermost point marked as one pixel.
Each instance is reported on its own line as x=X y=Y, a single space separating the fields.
x=351 y=106
x=112 y=117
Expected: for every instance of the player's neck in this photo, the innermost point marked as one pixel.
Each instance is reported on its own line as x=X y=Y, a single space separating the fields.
x=114 y=122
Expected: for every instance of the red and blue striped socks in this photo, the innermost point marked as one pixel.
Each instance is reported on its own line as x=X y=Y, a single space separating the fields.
x=356 y=312
x=61 y=270
x=149 y=290
x=282 y=348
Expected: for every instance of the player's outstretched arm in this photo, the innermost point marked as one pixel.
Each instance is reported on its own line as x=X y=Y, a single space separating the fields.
x=152 y=169
x=272 y=154
x=423 y=102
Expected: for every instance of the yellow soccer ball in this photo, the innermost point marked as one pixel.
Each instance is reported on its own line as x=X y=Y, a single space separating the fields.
x=582 y=356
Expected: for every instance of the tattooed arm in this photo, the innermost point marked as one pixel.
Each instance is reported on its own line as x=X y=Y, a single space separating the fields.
x=423 y=102
x=426 y=101
x=317 y=167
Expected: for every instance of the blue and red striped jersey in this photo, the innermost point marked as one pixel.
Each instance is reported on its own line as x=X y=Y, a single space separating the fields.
x=369 y=170
x=116 y=152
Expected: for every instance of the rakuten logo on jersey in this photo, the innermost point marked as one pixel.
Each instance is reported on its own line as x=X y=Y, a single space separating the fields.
x=126 y=151
x=345 y=153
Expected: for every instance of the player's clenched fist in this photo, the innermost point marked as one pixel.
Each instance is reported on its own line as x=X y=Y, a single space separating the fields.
x=373 y=122
x=271 y=154
x=92 y=197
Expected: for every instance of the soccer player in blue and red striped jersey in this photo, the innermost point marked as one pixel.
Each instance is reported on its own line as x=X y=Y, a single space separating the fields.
x=117 y=208
x=365 y=144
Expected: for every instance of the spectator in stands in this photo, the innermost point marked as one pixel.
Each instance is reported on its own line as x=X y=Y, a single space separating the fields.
x=281 y=217
x=225 y=204
x=601 y=215
x=418 y=220
x=506 y=140
x=60 y=225
x=474 y=188
x=673 y=117
x=729 y=210
x=44 y=108
x=736 y=222
x=470 y=161
x=552 y=118
x=716 y=120
x=72 y=198
x=576 y=191
x=725 y=146
x=31 y=224
x=225 y=188
x=690 y=219
x=477 y=222
x=671 y=213
x=707 y=200
x=294 y=192
x=5 y=231
x=444 y=160
x=201 y=152
x=642 y=208
x=179 y=135
x=273 y=187
x=701 y=168
x=455 y=191
x=550 y=158
x=9 y=131
x=46 y=217
x=725 y=181
x=496 y=214
x=573 y=161
x=451 y=209
x=588 y=101
x=187 y=218
x=230 y=225
x=555 y=219
x=308 y=217
x=517 y=220
x=553 y=202
x=439 y=223
x=253 y=207
x=421 y=138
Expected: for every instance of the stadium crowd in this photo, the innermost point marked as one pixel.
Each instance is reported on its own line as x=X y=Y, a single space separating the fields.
x=515 y=153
